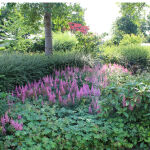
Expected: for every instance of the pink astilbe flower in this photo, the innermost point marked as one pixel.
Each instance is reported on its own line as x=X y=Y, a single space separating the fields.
x=105 y=81
x=73 y=95
x=55 y=84
x=85 y=92
x=57 y=91
x=23 y=97
x=12 y=94
x=46 y=80
x=51 y=97
x=18 y=94
x=131 y=107
x=35 y=94
x=3 y=130
x=81 y=92
x=10 y=103
x=6 y=118
x=56 y=73
x=65 y=102
x=42 y=85
x=97 y=92
x=62 y=90
x=90 y=109
x=19 y=117
x=92 y=90
x=16 y=125
x=3 y=121
x=39 y=91
x=73 y=100
x=69 y=97
x=42 y=103
x=95 y=106
x=60 y=97
x=78 y=95
x=124 y=101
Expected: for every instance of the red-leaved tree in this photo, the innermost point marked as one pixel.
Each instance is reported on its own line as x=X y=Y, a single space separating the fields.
x=78 y=27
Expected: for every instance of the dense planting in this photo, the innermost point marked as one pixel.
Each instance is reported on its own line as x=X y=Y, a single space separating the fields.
x=84 y=93
x=18 y=69
x=61 y=42
x=132 y=56
x=79 y=109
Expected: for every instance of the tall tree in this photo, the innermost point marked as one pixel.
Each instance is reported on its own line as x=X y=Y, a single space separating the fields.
x=129 y=22
x=33 y=13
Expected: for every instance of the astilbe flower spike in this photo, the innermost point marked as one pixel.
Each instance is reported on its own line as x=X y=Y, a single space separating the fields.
x=124 y=101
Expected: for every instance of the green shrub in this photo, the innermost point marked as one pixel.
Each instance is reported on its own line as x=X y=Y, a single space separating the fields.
x=20 y=44
x=3 y=103
x=88 y=43
x=18 y=69
x=134 y=57
x=129 y=97
x=2 y=48
x=130 y=39
x=148 y=39
x=61 y=42
x=38 y=45
x=64 y=41
x=110 y=54
x=130 y=100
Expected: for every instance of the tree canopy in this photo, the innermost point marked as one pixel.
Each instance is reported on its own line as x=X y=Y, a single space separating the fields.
x=132 y=15
x=22 y=20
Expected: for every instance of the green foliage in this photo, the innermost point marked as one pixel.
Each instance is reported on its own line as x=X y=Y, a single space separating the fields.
x=18 y=69
x=20 y=44
x=3 y=103
x=132 y=56
x=133 y=10
x=135 y=91
x=64 y=41
x=66 y=14
x=17 y=26
x=116 y=127
x=148 y=39
x=88 y=43
x=37 y=45
x=62 y=128
x=131 y=39
x=2 y=48
x=123 y=25
x=61 y=42
x=131 y=100
x=145 y=25
x=129 y=22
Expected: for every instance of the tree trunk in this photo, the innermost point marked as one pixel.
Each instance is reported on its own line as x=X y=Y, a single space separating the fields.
x=48 y=33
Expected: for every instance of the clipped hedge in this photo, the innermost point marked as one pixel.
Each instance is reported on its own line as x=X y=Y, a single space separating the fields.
x=18 y=69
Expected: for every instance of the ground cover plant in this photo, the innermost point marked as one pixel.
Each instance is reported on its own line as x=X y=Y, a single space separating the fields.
x=89 y=108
